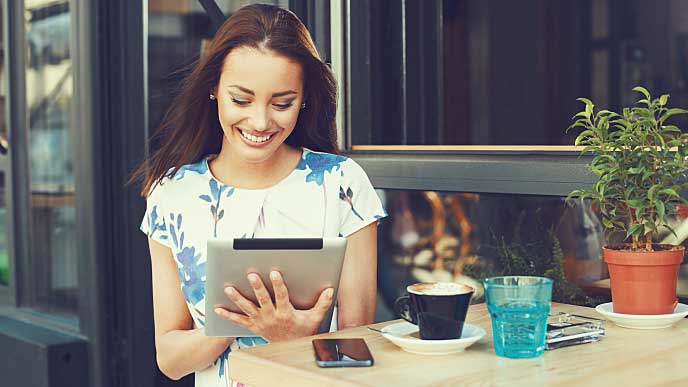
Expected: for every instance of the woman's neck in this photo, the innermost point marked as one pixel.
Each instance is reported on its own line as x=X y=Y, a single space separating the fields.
x=239 y=173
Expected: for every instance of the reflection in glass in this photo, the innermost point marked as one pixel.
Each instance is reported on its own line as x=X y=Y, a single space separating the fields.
x=49 y=84
x=465 y=237
x=509 y=73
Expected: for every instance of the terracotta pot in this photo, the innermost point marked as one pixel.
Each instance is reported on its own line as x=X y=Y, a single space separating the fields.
x=643 y=282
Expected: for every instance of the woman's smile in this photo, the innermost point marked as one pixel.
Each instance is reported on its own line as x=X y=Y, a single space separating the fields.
x=254 y=140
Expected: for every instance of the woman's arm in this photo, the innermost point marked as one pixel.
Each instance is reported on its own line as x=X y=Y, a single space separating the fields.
x=180 y=349
x=358 y=284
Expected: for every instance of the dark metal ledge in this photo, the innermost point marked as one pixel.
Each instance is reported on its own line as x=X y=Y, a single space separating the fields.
x=39 y=357
x=551 y=173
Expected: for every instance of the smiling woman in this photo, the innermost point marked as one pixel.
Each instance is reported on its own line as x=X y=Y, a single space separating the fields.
x=257 y=116
x=248 y=150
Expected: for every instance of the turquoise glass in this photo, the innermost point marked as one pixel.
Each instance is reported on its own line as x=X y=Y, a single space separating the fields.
x=519 y=307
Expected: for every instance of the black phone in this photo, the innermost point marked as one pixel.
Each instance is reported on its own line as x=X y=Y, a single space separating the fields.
x=342 y=353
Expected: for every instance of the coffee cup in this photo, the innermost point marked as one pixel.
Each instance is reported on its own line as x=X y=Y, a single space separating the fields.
x=438 y=308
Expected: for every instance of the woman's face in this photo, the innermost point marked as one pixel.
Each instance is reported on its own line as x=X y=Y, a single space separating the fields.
x=259 y=97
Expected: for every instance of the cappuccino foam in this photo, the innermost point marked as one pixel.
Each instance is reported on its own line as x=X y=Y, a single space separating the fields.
x=439 y=289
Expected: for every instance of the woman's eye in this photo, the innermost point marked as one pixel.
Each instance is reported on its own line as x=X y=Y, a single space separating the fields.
x=282 y=106
x=240 y=102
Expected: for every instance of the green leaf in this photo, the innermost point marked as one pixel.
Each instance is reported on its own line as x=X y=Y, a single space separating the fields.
x=670 y=192
x=636 y=203
x=670 y=128
x=671 y=112
x=663 y=99
x=583 y=135
x=607 y=223
x=634 y=230
x=608 y=113
x=660 y=209
x=642 y=90
x=585 y=101
x=651 y=191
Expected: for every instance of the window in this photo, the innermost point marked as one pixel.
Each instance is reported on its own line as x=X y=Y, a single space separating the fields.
x=475 y=72
x=52 y=262
x=465 y=237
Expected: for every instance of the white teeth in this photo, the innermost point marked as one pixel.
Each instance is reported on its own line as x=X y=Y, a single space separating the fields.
x=255 y=138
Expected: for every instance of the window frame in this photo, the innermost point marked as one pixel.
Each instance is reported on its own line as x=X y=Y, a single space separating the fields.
x=532 y=170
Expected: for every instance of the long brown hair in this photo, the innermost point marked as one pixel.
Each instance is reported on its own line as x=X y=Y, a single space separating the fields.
x=190 y=129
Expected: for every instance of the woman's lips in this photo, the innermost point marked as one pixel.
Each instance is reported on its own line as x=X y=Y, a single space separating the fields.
x=253 y=143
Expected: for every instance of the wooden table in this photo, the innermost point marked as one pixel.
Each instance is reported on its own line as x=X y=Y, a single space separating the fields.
x=625 y=357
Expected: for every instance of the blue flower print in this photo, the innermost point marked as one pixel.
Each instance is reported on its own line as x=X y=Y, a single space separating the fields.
x=214 y=200
x=223 y=362
x=154 y=226
x=319 y=163
x=348 y=197
x=247 y=342
x=200 y=167
x=191 y=273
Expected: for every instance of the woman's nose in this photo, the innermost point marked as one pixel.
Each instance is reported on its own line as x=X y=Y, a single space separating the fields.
x=260 y=118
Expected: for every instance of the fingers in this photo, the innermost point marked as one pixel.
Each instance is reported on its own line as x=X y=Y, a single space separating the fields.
x=234 y=317
x=281 y=293
x=261 y=292
x=324 y=302
x=245 y=305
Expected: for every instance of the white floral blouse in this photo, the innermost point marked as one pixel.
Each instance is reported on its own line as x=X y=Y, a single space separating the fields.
x=325 y=196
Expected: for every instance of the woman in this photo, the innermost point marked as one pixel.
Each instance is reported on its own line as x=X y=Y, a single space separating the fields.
x=248 y=149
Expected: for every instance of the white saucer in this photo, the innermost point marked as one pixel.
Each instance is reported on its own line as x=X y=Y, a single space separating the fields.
x=642 y=321
x=401 y=334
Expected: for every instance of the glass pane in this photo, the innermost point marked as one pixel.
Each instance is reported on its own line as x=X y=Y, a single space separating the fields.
x=177 y=31
x=474 y=72
x=49 y=83
x=465 y=237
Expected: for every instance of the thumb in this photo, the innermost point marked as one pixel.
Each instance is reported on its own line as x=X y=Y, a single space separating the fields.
x=324 y=302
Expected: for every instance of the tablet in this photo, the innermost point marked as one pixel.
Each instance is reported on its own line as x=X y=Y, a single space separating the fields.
x=308 y=266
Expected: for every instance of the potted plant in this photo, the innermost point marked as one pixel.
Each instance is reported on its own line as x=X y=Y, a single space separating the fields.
x=640 y=164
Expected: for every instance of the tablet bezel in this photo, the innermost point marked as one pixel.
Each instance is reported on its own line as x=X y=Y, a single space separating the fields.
x=308 y=266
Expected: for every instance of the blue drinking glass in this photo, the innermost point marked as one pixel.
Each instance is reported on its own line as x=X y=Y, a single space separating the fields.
x=519 y=307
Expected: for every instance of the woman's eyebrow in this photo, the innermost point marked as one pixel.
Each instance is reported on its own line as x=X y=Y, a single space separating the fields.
x=274 y=95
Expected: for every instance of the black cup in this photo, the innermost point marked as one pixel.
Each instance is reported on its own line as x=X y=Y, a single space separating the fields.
x=439 y=314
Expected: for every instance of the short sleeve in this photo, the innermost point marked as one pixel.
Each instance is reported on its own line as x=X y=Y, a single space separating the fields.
x=359 y=203
x=153 y=223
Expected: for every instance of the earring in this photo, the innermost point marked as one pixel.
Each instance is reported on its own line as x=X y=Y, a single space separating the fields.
x=212 y=96
x=303 y=105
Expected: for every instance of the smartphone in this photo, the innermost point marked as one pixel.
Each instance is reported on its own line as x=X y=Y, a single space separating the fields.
x=342 y=353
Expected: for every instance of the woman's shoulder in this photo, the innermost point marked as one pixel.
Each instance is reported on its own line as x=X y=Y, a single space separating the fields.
x=315 y=160
x=180 y=180
x=316 y=163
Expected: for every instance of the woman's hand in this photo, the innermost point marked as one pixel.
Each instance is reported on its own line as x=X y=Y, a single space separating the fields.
x=278 y=321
